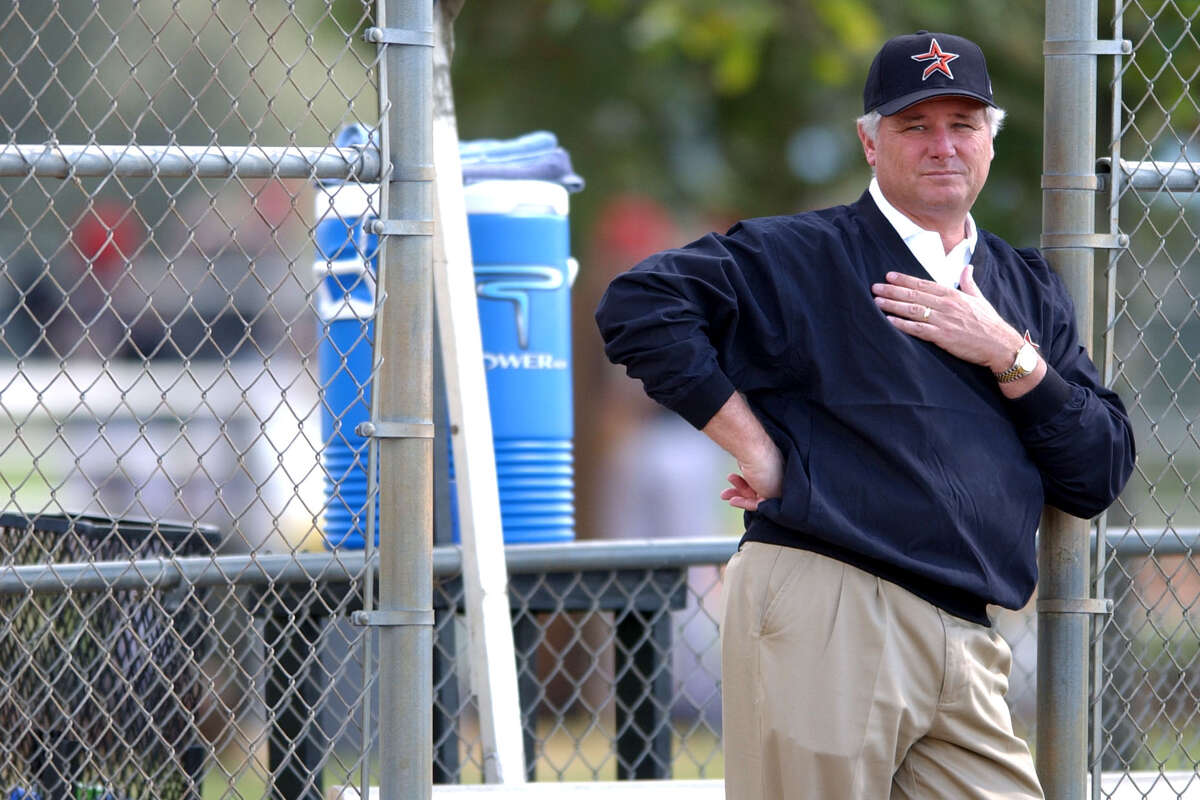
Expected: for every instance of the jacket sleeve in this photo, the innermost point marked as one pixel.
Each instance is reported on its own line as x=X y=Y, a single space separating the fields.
x=676 y=320
x=1076 y=430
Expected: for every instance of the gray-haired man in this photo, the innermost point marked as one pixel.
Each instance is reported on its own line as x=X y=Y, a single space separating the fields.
x=873 y=369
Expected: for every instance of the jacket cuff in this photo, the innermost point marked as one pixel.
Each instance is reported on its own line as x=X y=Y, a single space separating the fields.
x=1043 y=401
x=703 y=399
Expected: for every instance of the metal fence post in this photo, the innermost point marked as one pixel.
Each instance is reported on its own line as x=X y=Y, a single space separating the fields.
x=1068 y=212
x=404 y=402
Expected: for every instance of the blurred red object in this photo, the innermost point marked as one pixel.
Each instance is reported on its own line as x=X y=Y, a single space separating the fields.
x=107 y=236
x=632 y=227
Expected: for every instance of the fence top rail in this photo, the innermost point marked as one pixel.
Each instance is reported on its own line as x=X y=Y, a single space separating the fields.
x=617 y=554
x=1171 y=176
x=262 y=568
x=53 y=160
x=347 y=565
x=167 y=573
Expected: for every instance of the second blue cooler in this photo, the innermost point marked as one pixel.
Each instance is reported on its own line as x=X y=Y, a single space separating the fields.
x=517 y=203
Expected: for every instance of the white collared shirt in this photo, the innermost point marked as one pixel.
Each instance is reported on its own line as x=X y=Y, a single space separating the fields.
x=926 y=246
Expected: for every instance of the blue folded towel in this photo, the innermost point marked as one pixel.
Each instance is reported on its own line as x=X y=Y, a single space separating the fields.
x=533 y=156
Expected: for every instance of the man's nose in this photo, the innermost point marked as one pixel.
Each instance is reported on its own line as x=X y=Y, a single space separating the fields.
x=942 y=144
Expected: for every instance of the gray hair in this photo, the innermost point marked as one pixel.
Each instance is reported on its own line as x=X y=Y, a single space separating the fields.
x=870 y=121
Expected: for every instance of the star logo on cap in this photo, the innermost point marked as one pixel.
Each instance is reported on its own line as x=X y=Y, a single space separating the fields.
x=941 y=61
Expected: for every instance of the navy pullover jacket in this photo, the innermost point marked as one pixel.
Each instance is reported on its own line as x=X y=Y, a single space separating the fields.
x=899 y=458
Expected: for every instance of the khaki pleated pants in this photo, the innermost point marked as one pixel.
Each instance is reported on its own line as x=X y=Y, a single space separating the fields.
x=837 y=684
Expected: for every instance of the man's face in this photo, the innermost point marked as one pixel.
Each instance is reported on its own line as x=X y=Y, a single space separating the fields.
x=931 y=159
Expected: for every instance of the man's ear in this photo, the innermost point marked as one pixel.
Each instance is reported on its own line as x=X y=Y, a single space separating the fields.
x=867 y=145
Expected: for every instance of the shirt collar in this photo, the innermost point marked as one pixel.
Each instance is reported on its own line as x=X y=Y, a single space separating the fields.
x=909 y=230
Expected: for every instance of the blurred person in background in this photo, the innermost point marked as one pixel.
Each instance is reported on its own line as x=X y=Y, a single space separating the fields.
x=631 y=449
x=902 y=392
x=629 y=436
x=30 y=299
x=68 y=308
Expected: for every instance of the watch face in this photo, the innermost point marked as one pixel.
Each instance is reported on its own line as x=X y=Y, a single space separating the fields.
x=1027 y=358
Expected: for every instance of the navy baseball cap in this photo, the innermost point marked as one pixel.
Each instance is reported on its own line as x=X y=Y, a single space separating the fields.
x=916 y=67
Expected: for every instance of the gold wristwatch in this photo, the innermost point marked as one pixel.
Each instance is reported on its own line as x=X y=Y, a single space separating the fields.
x=1024 y=363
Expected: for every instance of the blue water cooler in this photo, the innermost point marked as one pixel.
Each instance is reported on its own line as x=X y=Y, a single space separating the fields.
x=523 y=275
x=517 y=204
x=345 y=270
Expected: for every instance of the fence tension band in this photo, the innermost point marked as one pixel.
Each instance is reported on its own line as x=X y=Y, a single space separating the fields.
x=401 y=227
x=1101 y=606
x=398 y=429
x=1088 y=47
x=1088 y=183
x=393 y=618
x=402 y=36
x=416 y=174
x=1093 y=241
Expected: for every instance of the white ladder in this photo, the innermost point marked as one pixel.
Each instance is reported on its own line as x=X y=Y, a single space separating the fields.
x=492 y=659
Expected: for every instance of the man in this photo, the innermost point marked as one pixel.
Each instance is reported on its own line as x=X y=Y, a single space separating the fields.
x=875 y=370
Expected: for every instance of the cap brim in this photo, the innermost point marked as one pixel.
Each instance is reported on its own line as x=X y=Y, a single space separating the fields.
x=901 y=103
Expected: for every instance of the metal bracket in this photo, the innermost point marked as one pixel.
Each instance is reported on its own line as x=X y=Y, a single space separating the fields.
x=416 y=174
x=1088 y=47
x=1088 y=183
x=404 y=36
x=401 y=227
x=1102 y=606
x=393 y=618
x=1094 y=241
x=395 y=429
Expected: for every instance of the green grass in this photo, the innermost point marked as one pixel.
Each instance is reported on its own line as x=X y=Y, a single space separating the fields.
x=575 y=750
x=580 y=748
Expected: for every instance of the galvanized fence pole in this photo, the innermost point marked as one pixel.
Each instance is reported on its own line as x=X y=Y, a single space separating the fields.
x=1068 y=211
x=1100 y=553
x=404 y=408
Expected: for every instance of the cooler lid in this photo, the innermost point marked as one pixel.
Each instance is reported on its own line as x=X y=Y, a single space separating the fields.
x=516 y=198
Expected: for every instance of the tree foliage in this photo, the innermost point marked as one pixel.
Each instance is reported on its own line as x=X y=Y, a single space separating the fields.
x=722 y=110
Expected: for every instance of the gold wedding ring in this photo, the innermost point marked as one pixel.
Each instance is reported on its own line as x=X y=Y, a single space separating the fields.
x=925 y=314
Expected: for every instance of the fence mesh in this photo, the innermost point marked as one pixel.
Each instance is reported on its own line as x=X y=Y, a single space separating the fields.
x=161 y=358
x=159 y=342
x=1149 y=684
x=619 y=675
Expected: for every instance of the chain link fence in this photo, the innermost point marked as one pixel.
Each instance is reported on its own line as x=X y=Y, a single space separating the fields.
x=619 y=669
x=1147 y=682
x=165 y=171
x=162 y=318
